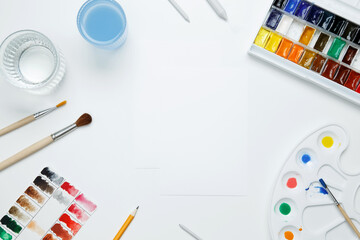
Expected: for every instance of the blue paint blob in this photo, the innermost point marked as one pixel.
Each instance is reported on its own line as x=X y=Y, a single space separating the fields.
x=303 y=9
x=321 y=190
x=273 y=19
x=315 y=15
x=306 y=189
x=305 y=158
x=291 y=6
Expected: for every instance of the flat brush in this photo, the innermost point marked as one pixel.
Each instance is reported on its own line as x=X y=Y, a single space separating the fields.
x=29 y=119
x=85 y=119
x=347 y=218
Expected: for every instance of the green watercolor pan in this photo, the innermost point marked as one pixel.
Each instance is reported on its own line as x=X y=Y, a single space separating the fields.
x=301 y=209
x=314 y=40
x=50 y=208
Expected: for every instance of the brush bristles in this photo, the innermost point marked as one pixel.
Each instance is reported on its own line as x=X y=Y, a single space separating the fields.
x=61 y=104
x=83 y=120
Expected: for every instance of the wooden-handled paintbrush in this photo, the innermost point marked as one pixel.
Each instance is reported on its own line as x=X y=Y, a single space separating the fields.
x=85 y=119
x=29 y=119
x=347 y=218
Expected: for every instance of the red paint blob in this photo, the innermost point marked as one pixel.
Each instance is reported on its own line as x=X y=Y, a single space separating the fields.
x=291 y=183
x=78 y=213
x=61 y=232
x=70 y=189
x=71 y=224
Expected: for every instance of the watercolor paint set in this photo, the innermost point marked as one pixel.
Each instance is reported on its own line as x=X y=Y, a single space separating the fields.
x=50 y=209
x=300 y=207
x=318 y=41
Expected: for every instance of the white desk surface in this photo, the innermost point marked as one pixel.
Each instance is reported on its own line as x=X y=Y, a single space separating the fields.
x=282 y=111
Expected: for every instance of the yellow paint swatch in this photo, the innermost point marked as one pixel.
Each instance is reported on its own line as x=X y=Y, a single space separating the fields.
x=273 y=43
x=262 y=37
x=307 y=59
x=307 y=35
x=327 y=141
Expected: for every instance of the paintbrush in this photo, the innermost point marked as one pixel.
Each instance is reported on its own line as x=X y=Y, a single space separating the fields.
x=347 y=218
x=29 y=119
x=84 y=119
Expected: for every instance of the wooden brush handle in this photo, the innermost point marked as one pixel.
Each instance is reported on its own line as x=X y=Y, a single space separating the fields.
x=17 y=125
x=26 y=152
x=349 y=220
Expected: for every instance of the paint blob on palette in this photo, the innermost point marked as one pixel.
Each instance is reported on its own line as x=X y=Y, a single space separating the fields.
x=51 y=208
x=314 y=43
x=301 y=207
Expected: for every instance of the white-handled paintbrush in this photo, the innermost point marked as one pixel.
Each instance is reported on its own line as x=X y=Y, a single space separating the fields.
x=85 y=119
x=347 y=218
x=29 y=119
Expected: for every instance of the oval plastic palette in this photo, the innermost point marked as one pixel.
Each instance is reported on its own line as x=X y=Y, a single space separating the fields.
x=300 y=208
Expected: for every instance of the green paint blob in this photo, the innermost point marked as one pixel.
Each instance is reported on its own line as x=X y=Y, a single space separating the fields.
x=11 y=224
x=285 y=209
x=4 y=235
x=336 y=48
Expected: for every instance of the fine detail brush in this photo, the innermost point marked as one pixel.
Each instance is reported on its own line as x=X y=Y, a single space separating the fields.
x=347 y=218
x=29 y=119
x=84 y=119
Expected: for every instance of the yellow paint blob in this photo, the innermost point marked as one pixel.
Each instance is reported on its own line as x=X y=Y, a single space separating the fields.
x=273 y=43
x=289 y=235
x=327 y=141
x=262 y=37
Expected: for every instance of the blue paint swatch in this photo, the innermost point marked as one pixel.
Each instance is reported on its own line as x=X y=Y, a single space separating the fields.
x=273 y=19
x=303 y=9
x=315 y=15
x=291 y=6
x=322 y=190
x=305 y=158
x=327 y=20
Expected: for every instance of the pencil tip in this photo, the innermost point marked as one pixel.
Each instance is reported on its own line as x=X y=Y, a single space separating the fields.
x=224 y=16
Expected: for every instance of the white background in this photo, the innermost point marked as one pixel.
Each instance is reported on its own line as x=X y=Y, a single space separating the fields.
x=129 y=91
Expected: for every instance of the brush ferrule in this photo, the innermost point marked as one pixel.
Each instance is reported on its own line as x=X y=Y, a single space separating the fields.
x=63 y=132
x=332 y=196
x=44 y=112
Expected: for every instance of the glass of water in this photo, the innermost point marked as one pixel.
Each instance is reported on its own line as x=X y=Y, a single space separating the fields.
x=30 y=61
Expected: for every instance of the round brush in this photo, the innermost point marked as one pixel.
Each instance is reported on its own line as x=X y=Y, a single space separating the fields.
x=84 y=119
x=29 y=119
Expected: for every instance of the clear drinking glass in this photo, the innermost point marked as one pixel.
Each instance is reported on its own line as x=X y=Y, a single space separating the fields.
x=30 y=61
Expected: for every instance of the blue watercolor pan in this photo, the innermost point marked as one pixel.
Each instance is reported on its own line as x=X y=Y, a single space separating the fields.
x=273 y=19
x=303 y=9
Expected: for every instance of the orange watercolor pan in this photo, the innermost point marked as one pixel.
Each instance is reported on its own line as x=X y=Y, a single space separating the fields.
x=284 y=48
x=296 y=53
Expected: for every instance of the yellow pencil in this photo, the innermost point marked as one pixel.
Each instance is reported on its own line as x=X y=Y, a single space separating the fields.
x=126 y=224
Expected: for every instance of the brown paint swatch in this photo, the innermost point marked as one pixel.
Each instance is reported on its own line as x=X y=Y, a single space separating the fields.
x=342 y=75
x=44 y=185
x=18 y=214
x=26 y=204
x=34 y=194
x=49 y=236
x=34 y=227
x=350 y=54
x=61 y=232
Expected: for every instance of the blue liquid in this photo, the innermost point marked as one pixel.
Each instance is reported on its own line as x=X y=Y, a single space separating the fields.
x=305 y=158
x=103 y=22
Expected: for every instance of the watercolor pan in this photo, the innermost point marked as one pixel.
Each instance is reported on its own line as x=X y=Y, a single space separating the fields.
x=330 y=31
x=50 y=208
x=300 y=207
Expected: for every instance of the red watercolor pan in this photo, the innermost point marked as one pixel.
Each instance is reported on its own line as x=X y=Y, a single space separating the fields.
x=330 y=69
x=353 y=80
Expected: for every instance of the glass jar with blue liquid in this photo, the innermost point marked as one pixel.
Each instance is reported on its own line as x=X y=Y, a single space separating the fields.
x=103 y=23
